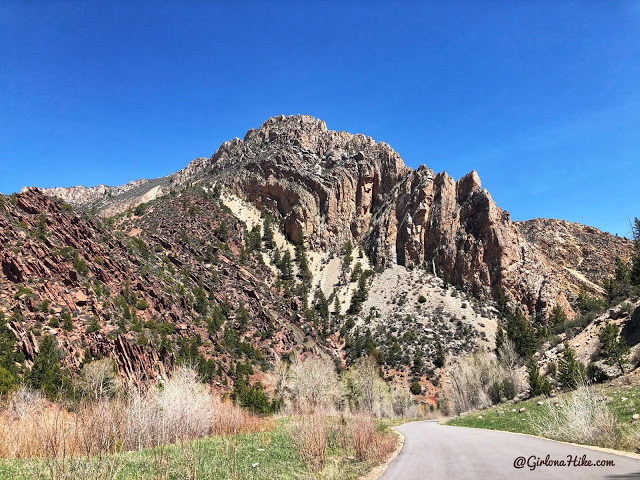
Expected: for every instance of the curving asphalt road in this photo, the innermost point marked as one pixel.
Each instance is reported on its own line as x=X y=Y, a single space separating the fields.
x=440 y=452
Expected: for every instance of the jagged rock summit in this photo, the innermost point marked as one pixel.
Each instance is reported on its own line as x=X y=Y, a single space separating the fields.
x=327 y=188
x=331 y=187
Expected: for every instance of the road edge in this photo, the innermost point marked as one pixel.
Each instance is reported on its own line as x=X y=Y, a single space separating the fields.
x=379 y=470
x=612 y=451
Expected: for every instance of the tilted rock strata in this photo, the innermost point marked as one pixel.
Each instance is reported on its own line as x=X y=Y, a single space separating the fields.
x=85 y=271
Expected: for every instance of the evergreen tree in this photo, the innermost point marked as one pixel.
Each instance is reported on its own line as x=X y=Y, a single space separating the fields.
x=521 y=332
x=634 y=275
x=621 y=271
x=440 y=357
x=356 y=272
x=501 y=301
x=303 y=263
x=359 y=295
x=418 y=364
x=336 y=306
x=254 y=239
x=635 y=232
x=276 y=258
x=570 y=371
x=201 y=304
x=242 y=317
x=46 y=374
x=415 y=388
x=348 y=254
x=499 y=338
x=286 y=269
x=538 y=385
x=613 y=346
x=8 y=357
x=222 y=232
x=41 y=229
x=268 y=237
x=557 y=317
x=322 y=305
x=635 y=270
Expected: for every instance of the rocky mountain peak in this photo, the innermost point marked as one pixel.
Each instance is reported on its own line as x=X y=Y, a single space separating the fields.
x=327 y=188
x=468 y=184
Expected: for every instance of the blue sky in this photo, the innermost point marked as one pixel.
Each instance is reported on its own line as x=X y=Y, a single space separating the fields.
x=541 y=98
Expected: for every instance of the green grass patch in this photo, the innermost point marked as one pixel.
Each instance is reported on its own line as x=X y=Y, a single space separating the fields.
x=623 y=400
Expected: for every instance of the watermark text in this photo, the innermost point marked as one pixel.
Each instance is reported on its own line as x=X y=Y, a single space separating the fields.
x=532 y=462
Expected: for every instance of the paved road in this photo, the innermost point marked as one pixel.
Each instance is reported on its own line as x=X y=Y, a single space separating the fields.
x=439 y=452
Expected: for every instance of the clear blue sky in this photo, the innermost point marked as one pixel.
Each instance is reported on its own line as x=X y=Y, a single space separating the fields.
x=541 y=97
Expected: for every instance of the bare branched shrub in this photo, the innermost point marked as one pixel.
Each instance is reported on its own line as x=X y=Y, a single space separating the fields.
x=314 y=383
x=404 y=404
x=282 y=376
x=310 y=436
x=25 y=401
x=66 y=445
x=98 y=380
x=99 y=427
x=17 y=426
x=178 y=409
x=471 y=378
x=369 y=443
x=366 y=391
x=508 y=354
x=579 y=417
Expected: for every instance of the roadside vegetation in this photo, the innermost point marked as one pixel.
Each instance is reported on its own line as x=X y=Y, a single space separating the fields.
x=591 y=415
x=178 y=429
x=567 y=400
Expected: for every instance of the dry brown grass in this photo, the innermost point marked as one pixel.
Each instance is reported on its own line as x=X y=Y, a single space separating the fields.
x=314 y=432
x=52 y=431
x=229 y=419
x=311 y=438
x=368 y=442
x=580 y=417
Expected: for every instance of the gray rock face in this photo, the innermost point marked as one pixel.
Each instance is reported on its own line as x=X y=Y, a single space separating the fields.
x=331 y=187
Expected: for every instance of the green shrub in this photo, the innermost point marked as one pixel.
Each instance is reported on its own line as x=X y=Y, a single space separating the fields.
x=538 y=385
x=141 y=304
x=94 y=326
x=415 y=388
x=595 y=374
x=80 y=265
x=67 y=322
x=142 y=340
x=8 y=381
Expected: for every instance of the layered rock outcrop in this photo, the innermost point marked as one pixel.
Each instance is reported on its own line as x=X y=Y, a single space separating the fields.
x=128 y=290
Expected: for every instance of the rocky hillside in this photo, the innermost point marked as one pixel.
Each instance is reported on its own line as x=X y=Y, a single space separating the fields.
x=579 y=256
x=161 y=285
x=328 y=188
